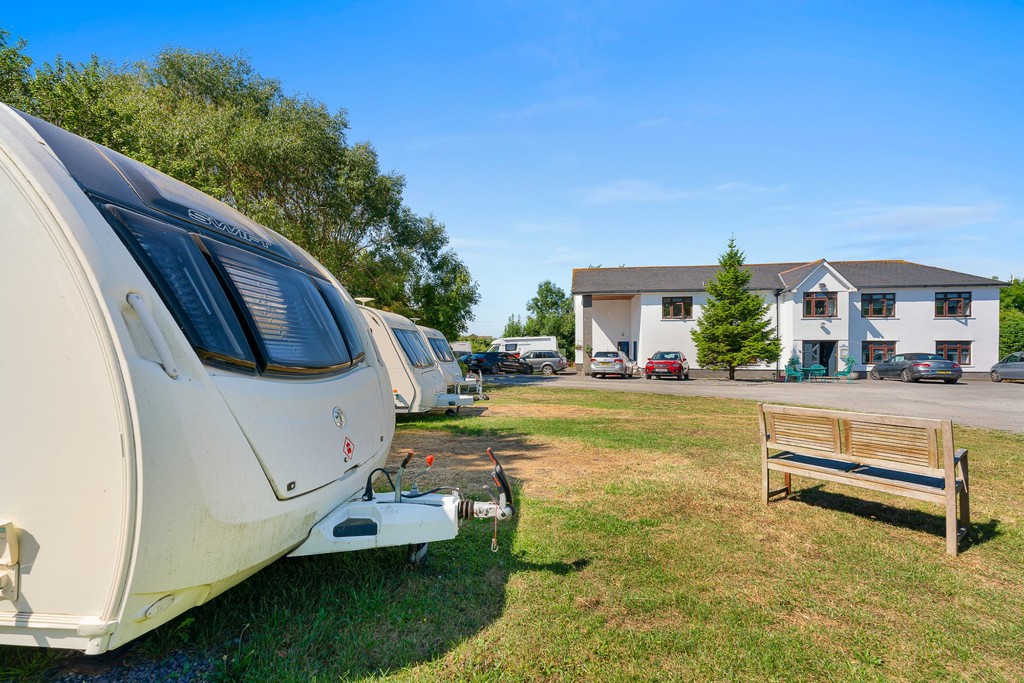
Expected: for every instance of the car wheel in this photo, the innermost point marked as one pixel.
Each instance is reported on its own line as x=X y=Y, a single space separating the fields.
x=950 y=381
x=548 y=370
x=647 y=376
x=686 y=376
x=528 y=370
x=495 y=369
x=874 y=374
x=905 y=376
x=995 y=376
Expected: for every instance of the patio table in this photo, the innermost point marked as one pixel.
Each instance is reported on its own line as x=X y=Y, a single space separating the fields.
x=815 y=373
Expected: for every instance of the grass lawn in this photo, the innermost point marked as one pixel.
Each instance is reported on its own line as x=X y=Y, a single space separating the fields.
x=640 y=551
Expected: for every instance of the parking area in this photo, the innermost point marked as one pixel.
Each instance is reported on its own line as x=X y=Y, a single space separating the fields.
x=977 y=403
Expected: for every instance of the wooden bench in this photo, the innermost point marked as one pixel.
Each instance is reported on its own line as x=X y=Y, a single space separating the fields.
x=907 y=456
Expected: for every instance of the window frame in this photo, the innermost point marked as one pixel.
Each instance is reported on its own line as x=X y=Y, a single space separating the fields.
x=961 y=350
x=867 y=346
x=868 y=301
x=831 y=300
x=685 y=304
x=943 y=299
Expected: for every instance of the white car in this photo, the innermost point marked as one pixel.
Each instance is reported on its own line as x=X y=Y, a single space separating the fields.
x=604 y=363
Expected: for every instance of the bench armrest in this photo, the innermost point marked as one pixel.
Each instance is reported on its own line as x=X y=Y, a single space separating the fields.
x=961 y=454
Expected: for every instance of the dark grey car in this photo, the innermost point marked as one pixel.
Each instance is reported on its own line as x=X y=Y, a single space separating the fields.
x=911 y=367
x=548 y=362
x=1011 y=367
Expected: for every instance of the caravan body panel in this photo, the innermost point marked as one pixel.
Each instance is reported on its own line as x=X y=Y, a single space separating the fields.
x=140 y=479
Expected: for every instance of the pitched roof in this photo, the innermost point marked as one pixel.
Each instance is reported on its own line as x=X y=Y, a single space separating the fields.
x=861 y=274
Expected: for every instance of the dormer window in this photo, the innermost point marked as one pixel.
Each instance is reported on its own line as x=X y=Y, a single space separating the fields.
x=819 y=304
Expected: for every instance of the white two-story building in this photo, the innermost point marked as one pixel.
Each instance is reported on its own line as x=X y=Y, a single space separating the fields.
x=823 y=311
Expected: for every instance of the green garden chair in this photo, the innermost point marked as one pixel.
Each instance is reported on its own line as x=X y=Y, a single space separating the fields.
x=846 y=372
x=794 y=372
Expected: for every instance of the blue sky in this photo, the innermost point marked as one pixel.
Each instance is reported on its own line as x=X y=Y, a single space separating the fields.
x=554 y=135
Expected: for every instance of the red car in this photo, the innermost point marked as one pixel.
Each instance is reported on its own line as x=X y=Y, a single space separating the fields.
x=667 y=364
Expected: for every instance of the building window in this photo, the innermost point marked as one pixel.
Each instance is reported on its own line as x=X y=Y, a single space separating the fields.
x=676 y=307
x=952 y=304
x=956 y=351
x=819 y=304
x=877 y=351
x=877 y=305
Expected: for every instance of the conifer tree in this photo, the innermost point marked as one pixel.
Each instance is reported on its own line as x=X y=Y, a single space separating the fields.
x=733 y=330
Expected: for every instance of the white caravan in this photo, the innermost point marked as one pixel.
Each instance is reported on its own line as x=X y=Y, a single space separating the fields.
x=520 y=345
x=417 y=381
x=187 y=397
x=445 y=356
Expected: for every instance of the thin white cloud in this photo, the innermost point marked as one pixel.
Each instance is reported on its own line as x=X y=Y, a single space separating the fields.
x=646 y=192
x=559 y=105
x=918 y=218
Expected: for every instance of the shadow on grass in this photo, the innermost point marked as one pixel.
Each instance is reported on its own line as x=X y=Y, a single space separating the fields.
x=917 y=520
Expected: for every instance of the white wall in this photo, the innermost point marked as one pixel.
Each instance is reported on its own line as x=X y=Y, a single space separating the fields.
x=612 y=323
x=836 y=328
x=915 y=327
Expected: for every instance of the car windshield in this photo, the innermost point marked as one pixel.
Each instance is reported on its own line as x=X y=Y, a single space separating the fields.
x=923 y=356
x=606 y=354
x=666 y=355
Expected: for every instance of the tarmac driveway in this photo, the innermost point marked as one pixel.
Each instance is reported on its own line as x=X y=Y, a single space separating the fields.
x=978 y=403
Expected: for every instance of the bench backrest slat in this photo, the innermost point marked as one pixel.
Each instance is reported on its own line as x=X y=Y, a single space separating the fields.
x=907 y=443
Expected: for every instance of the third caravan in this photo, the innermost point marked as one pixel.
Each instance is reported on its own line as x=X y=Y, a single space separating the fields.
x=520 y=345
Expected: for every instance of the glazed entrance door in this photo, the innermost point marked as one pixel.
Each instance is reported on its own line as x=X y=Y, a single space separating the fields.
x=820 y=353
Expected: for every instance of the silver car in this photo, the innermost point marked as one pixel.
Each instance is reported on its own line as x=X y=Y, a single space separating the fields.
x=548 y=362
x=1011 y=367
x=604 y=363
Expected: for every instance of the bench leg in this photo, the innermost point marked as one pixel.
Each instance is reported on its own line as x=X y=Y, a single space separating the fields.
x=965 y=496
x=789 y=483
x=951 y=525
x=764 y=481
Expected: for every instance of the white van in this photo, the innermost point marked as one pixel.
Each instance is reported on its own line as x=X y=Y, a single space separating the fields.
x=418 y=383
x=445 y=356
x=520 y=345
x=187 y=397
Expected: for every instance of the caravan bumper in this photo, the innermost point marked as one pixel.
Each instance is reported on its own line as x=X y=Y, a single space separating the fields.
x=381 y=522
x=454 y=400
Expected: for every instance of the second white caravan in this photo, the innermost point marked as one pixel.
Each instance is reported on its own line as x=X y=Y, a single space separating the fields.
x=450 y=367
x=417 y=381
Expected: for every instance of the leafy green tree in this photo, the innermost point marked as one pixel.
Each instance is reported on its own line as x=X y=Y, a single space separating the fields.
x=1011 y=331
x=733 y=329
x=14 y=71
x=551 y=313
x=1012 y=297
x=478 y=343
x=514 y=327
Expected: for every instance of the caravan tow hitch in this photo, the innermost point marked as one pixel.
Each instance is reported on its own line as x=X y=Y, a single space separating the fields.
x=499 y=507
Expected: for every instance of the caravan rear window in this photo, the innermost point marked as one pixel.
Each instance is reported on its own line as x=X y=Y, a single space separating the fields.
x=412 y=343
x=239 y=307
x=294 y=326
x=441 y=349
